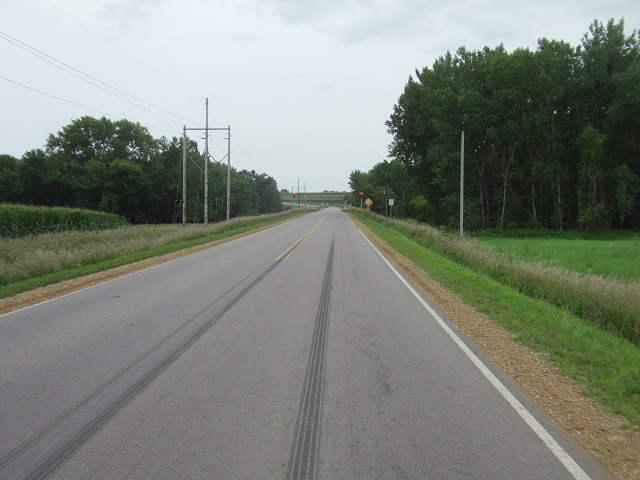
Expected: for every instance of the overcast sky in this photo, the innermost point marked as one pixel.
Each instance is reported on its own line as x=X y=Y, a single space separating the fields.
x=306 y=85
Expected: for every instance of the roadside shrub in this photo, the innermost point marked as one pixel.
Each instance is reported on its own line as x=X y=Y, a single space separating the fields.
x=20 y=220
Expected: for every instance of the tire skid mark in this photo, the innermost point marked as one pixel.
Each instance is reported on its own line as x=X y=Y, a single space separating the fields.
x=56 y=460
x=305 y=449
x=91 y=427
x=101 y=388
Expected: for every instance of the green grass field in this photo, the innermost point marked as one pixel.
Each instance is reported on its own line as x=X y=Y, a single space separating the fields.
x=619 y=258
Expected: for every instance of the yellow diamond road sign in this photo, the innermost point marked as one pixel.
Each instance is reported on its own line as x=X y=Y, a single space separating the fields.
x=368 y=202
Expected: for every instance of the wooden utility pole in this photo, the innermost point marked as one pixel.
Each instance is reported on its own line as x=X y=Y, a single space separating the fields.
x=228 y=172
x=206 y=167
x=184 y=175
x=462 y=184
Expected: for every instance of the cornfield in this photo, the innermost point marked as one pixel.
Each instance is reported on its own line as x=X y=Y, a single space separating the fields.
x=22 y=221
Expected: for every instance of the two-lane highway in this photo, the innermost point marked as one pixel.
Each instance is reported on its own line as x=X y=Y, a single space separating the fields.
x=297 y=352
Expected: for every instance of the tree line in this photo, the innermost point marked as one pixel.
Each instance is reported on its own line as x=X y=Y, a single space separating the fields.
x=552 y=136
x=119 y=167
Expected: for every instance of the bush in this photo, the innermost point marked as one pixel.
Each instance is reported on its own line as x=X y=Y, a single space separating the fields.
x=21 y=220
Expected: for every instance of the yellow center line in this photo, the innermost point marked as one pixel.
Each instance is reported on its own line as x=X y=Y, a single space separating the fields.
x=288 y=251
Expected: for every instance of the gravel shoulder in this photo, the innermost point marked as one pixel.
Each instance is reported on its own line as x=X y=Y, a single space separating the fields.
x=599 y=431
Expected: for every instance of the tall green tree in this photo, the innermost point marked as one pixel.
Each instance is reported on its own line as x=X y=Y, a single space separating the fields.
x=533 y=121
x=120 y=167
x=244 y=194
x=124 y=190
x=32 y=183
x=270 y=200
x=8 y=179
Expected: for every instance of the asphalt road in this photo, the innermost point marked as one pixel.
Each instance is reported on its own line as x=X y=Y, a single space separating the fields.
x=296 y=352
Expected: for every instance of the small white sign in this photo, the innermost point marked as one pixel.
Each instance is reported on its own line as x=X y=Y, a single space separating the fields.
x=391 y=202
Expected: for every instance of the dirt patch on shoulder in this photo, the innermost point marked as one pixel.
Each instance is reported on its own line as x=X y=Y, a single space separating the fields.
x=598 y=430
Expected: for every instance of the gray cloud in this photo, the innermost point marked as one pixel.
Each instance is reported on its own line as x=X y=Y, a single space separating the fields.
x=474 y=22
x=308 y=11
x=128 y=12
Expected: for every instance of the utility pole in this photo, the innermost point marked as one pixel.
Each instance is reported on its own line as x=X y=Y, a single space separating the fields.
x=228 y=172
x=298 y=193
x=462 y=182
x=386 y=202
x=184 y=175
x=206 y=165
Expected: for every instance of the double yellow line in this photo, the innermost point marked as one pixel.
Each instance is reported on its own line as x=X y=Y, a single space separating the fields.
x=288 y=251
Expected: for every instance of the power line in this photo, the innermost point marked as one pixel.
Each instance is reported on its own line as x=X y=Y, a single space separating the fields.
x=247 y=154
x=122 y=50
x=59 y=98
x=79 y=105
x=64 y=67
x=236 y=162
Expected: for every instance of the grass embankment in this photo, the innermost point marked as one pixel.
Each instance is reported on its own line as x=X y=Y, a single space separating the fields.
x=36 y=261
x=607 y=365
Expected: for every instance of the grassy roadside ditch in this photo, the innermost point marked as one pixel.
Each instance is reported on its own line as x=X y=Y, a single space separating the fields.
x=609 y=303
x=37 y=261
x=604 y=363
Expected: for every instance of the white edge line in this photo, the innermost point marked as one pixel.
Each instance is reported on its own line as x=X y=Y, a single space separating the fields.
x=569 y=463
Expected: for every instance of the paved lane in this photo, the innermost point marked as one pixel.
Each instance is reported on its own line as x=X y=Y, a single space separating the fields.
x=293 y=353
